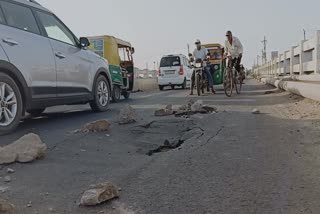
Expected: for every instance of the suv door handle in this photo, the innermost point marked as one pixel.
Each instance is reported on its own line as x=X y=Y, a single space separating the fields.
x=60 y=55
x=10 y=42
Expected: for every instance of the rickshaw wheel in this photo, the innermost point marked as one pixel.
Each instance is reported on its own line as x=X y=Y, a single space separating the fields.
x=116 y=95
x=126 y=94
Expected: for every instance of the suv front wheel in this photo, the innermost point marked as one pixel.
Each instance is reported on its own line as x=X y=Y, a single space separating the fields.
x=101 y=94
x=10 y=104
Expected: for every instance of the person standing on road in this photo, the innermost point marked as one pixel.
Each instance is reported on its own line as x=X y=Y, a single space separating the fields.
x=201 y=53
x=234 y=50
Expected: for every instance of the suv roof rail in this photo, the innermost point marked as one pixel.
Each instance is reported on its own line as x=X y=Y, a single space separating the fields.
x=33 y=1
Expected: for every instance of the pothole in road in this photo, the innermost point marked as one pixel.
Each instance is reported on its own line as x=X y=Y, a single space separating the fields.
x=164 y=135
x=167 y=146
x=190 y=133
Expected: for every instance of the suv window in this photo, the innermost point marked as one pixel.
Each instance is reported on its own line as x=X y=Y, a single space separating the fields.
x=20 y=17
x=2 y=21
x=55 y=29
x=170 y=61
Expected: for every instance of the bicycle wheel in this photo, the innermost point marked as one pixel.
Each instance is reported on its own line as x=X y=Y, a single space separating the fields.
x=238 y=82
x=198 y=84
x=228 y=82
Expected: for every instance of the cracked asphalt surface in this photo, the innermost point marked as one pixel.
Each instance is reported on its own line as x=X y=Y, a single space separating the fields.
x=231 y=162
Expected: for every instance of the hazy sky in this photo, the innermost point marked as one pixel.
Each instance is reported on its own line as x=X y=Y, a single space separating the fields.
x=157 y=27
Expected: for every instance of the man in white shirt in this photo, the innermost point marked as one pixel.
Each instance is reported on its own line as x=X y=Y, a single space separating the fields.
x=201 y=53
x=234 y=50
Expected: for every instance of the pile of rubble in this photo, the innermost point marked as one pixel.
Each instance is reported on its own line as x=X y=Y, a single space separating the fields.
x=186 y=110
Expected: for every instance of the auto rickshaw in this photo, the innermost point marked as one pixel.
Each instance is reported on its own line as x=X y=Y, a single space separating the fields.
x=216 y=62
x=121 y=67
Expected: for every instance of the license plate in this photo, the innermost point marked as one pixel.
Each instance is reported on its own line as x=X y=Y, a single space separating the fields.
x=169 y=72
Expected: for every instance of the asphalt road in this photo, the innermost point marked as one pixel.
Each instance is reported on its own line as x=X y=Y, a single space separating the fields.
x=231 y=162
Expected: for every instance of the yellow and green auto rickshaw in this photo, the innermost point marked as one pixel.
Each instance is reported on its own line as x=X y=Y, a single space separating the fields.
x=121 y=67
x=216 y=62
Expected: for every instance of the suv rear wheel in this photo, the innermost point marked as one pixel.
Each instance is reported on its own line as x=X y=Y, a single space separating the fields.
x=11 y=104
x=102 y=94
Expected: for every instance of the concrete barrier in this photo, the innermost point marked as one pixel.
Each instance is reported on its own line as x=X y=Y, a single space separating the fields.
x=308 y=90
x=301 y=61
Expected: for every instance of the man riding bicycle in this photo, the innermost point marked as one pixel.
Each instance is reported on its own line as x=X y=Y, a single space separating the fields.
x=233 y=50
x=201 y=53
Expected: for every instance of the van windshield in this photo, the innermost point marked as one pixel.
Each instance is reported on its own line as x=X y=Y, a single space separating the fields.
x=170 y=61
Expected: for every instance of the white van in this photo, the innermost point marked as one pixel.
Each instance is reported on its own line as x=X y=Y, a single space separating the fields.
x=175 y=70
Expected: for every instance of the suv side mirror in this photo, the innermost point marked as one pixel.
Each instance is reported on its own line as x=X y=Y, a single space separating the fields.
x=84 y=42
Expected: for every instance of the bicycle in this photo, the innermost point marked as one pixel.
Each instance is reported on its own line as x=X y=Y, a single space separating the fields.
x=232 y=80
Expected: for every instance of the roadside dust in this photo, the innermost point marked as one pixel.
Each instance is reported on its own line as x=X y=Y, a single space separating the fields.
x=298 y=108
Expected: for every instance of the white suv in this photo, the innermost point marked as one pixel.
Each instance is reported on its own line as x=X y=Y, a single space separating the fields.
x=43 y=64
x=175 y=70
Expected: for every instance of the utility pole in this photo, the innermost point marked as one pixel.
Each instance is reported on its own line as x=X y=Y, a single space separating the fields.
x=154 y=65
x=258 y=57
x=304 y=34
x=264 y=51
x=188 y=48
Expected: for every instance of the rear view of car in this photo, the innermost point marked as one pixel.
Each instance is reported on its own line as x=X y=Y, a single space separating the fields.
x=174 y=71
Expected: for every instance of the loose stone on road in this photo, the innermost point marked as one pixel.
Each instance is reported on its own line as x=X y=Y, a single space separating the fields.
x=210 y=156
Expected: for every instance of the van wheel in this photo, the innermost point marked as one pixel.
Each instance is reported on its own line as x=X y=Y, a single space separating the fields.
x=116 y=94
x=102 y=94
x=184 y=84
x=11 y=104
x=161 y=87
x=36 y=112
